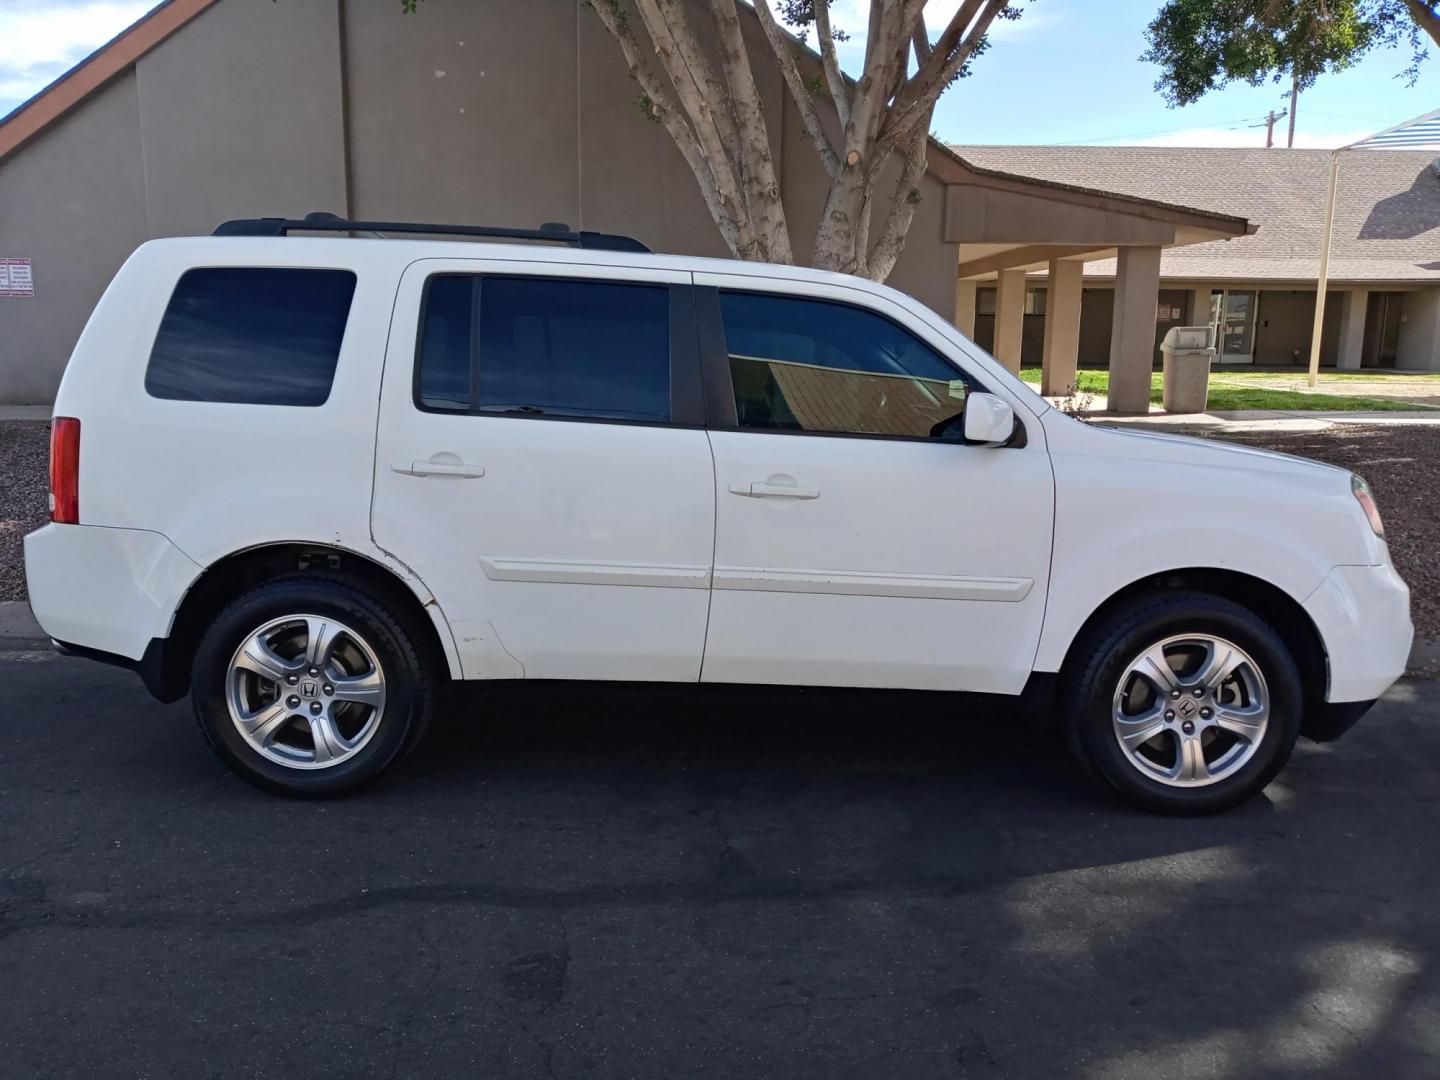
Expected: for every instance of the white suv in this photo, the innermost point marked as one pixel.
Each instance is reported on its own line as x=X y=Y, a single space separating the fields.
x=309 y=479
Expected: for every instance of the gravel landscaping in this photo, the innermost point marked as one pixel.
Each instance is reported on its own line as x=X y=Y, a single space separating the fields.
x=24 y=496
x=1399 y=460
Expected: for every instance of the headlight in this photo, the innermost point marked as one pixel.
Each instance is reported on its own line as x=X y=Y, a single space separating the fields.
x=1366 y=499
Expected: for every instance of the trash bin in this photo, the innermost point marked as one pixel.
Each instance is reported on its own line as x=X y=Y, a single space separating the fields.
x=1187 y=352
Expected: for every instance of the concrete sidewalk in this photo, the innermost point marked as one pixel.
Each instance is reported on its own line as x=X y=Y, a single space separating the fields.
x=1259 y=420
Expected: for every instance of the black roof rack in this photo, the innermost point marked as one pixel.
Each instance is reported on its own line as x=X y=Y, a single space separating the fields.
x=553 y=231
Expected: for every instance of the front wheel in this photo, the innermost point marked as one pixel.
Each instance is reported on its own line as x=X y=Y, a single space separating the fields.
x=310 y=686
x=1184 y=703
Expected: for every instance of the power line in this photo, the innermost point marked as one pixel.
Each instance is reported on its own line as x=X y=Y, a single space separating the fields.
x=1224 y=125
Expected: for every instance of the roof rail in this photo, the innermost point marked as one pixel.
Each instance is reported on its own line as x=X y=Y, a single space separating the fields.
x=552 y=231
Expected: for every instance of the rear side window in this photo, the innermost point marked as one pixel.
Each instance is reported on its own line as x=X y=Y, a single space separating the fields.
x=251 y=336
x=545 y=347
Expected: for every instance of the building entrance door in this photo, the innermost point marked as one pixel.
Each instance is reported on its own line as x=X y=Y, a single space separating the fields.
x=1232 y=313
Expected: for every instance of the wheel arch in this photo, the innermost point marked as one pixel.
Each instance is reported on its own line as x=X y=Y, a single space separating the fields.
x=1281 y=611
x=240 y=571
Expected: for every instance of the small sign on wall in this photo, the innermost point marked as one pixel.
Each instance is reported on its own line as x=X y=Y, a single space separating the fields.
x=16 y=278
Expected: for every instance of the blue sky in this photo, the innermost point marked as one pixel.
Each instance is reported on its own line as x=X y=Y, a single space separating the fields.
x=1066 y=72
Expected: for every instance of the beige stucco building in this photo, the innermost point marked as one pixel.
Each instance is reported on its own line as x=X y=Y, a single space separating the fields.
x=1383 y=302
x=488 y=112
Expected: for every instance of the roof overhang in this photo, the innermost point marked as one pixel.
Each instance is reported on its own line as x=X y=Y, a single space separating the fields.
x=104 y=64
x=1005 y=221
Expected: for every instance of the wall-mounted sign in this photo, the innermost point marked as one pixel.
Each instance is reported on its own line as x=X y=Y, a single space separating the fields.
x=16 y=278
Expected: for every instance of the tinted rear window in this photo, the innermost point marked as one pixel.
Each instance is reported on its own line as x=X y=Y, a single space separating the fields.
x=446 y=347
x=251 y=336
x=545 y=347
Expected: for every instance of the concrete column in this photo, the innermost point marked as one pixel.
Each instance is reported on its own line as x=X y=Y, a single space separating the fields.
x=1419 y=345
x=1009 y=317
x=1132 y=335
x=965 y=289
x=1199 y=312
x=1352 y=328
x=1062 y=327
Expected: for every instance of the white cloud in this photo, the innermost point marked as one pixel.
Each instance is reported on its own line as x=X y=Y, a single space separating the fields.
x=41 y=39
x=1203 y=136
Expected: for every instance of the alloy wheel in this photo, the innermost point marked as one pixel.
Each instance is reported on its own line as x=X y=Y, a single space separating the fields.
x=1190 y=710
x=305 y=691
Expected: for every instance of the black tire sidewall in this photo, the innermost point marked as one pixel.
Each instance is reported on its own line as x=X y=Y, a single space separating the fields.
x=399 y=663
x=1130 y=633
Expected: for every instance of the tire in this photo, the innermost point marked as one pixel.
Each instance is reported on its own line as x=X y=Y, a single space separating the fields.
x=367 y=703
x=1112 y=693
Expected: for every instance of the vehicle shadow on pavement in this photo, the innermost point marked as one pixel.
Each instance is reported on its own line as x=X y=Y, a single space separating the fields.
x=707 y=882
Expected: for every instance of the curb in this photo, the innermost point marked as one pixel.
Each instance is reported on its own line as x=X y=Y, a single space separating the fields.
x=16 y=621
x=1424 y=660
x=26 y=412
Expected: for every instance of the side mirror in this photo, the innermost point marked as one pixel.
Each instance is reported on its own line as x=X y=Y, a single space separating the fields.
x=988 y=419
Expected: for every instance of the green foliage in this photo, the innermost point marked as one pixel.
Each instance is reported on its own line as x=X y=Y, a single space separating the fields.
x=800 y=16
x=1201 y=45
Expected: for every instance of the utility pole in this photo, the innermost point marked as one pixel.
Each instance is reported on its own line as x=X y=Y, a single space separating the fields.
x=1270 y=119
x=1294 y=100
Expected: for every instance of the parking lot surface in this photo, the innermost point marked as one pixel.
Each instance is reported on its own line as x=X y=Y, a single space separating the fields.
x=663 y=882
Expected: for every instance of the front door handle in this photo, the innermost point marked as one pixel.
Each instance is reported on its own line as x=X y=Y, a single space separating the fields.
x=768 y=489
x=439 y=468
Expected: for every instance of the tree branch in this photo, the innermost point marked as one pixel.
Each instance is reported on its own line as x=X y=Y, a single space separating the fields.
x=902 y=207
x=728 y=214
x=762 y=188
x=783 y=46
x=834 y=77
x=921 y=39
x=675 y=45
x=917 y=100
x=889 y=33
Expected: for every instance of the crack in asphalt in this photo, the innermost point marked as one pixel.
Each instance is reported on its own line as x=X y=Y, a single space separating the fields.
x=750 y=889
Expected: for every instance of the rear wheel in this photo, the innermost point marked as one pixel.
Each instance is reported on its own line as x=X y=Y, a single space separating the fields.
x=1184 y=703
x=310 y=686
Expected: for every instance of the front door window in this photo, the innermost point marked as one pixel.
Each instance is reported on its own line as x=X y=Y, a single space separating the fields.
x=1233 y=315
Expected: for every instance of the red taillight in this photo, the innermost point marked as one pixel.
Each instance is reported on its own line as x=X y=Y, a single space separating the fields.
x=65 y=470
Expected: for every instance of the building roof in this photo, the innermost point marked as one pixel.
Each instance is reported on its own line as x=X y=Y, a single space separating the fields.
x=1387 y=209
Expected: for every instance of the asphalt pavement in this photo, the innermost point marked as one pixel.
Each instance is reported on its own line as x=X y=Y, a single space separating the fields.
x=663 y=882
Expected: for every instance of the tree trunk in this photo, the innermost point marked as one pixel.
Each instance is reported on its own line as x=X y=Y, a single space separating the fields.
x=1425 y=17
x=719 y=125
x=835 y=242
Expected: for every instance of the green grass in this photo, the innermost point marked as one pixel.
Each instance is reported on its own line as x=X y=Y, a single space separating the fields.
x=1334 y=378
x=1226 y=397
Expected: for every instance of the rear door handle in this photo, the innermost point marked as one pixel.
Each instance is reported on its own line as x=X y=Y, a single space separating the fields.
x=764 y=489
x=439 y=468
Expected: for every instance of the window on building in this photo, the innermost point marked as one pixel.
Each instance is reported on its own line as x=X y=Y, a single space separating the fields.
x=545 y=347
x=809 y=365
x=251 y=336
x=1034 y=301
